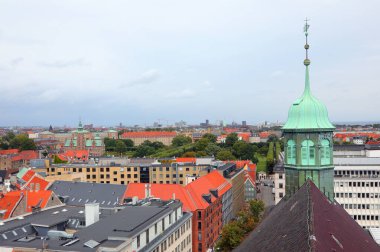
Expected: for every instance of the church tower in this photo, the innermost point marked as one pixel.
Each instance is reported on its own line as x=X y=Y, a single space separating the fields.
x=308 y=141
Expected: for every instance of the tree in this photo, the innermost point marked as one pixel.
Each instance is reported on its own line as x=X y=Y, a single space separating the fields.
x=22 y=142
x=201 y=144
x=128 y=142
x=245 y=220
x=231 y=139
x=232 y=235
x=201 y=154
x=157 y=145
x=225 y=155
x=211 y=137
x=256 y=208
x=243 y=150
x=110 y=144
x=144 y=150
x=212 y=149
x=120 y=147
x=189 y=154
x=181 y=140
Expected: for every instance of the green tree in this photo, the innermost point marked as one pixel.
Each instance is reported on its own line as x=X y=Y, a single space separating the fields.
x=256 y=208
x=231 y=139
x=243 y=150
x=157 y=145
x=232 y=235
x=201 y=144
x=57 y=160
x=120 y=147
x=181 y=140
x=143 y=151
x=211 y=137
x=212 y=149
x=22 y=142
x=110 y=144
x=270 y=158
x=189 y=154
x=225 y=155
x=128 y=142
x=245 y=221
x=201 y=154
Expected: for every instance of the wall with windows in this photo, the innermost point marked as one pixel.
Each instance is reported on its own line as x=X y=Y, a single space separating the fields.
x=357 y=189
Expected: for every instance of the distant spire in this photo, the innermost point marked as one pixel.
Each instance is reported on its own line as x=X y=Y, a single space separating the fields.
x=306 y=62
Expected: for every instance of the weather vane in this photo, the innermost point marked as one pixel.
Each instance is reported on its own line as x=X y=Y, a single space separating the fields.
x=306 y=62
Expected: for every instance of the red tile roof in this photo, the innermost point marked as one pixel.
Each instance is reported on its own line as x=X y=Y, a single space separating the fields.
x=244 y=136
x=28 y=175
x=74 y=154
x=148 y=134
x=239 y=163
x=29 y=154
x=190 y=195
x=36 y=198
x=264 y=134
x=163 y=191
x=9 y=152
x=36 y=180
x=8 y=202
x=186 y=160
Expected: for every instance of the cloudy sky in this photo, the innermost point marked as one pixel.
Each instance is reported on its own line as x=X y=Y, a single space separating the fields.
x=139 y=61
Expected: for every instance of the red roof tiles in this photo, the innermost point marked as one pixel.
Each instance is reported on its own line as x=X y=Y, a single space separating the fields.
x=190 y=195
x=8 y=202
x=9 y=152
x=186 y=160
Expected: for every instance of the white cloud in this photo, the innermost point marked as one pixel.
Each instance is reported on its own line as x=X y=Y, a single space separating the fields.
x=184 y=93
x=147 y=77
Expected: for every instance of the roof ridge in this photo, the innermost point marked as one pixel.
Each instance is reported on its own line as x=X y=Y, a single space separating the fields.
x=310 y=218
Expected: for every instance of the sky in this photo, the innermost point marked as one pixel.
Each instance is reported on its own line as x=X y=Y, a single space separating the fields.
x=137 y=62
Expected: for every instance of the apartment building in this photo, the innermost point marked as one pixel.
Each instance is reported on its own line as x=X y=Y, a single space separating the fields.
x=138 y=137
x=236 y=177
x=133 y=171
x=209 y=198
x=151 y=225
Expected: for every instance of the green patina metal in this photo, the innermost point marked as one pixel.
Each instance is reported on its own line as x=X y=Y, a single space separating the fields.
x=307 y=112
x=308 y=141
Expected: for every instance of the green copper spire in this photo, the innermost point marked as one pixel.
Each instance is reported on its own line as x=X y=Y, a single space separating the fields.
x=307 y=112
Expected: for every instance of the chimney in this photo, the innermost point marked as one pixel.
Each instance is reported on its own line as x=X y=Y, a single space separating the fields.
x=91 y=213
x=173 y=196
x=134 y=200
x=147 y=191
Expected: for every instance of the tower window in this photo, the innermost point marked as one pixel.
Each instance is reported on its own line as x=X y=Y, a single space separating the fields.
x=291 y=152
x=307 y=153
x=325 y=152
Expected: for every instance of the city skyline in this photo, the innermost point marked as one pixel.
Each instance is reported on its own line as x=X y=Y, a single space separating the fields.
x=138 y=62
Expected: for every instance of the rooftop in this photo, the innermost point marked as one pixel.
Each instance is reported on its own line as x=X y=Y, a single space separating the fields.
x=308 y=221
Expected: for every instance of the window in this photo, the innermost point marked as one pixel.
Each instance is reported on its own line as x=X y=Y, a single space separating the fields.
x=147 y=236
x=307 y=153
x=325 y=152
x=280 y=185
x=138 y=241
x=291 y=152
x=155 y=228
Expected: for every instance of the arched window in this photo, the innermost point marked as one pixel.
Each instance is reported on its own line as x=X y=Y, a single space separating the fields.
x=291 y=152
x=325 y=152
x=307 y=153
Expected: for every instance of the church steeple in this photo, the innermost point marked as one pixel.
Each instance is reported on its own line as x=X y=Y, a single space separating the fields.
x=308 y=140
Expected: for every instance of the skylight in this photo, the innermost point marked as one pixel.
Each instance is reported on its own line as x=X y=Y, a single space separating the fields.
x=91 y=244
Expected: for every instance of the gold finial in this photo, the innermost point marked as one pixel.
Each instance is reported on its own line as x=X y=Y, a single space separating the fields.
x=306 y=62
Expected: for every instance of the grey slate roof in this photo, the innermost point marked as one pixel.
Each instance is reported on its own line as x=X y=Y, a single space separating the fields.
x=110 y=231
x=80 y=193
x=308 y=221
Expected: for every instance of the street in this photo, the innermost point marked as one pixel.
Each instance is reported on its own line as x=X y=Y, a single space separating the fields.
x=266 y=194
